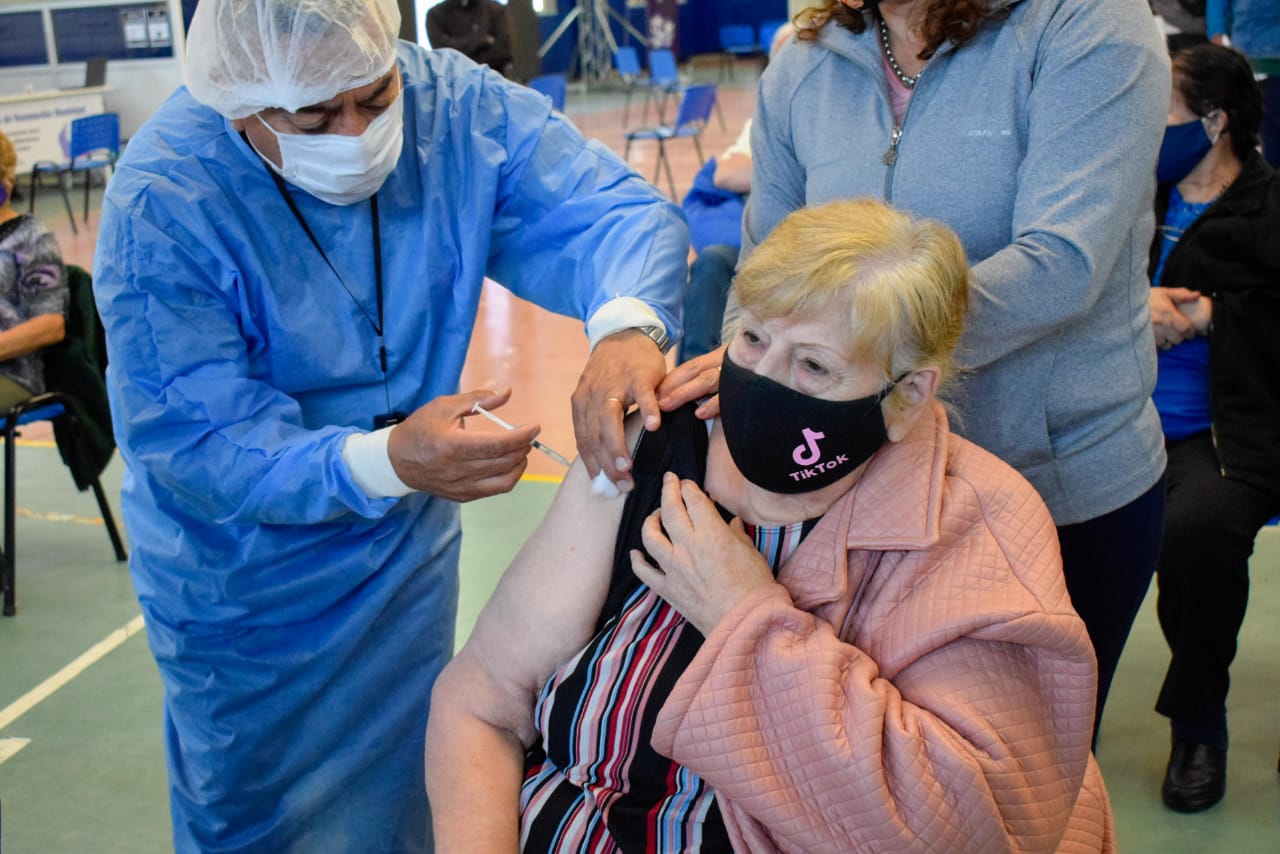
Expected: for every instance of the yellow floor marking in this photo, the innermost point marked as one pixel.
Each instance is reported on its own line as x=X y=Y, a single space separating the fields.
x=10 y=746
x=60 y=517
x=86 y=659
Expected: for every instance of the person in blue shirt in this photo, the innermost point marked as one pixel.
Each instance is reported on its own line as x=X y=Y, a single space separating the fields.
x=1253 y=28
x=1215 y=310
x=288 y=270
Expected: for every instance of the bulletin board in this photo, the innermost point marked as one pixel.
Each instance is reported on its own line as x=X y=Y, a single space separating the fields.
x=132 y=31
x=22 y=39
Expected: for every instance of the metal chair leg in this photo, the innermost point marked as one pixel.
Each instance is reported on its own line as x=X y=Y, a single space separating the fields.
x=664 y=160
x=10 y=517
x=697 y=146
x=63 y=178
x=109 y=520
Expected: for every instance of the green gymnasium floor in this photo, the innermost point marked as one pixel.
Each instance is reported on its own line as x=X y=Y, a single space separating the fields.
x=81 y=759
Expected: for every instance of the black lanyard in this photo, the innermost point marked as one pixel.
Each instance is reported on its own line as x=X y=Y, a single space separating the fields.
x=377 y=261
x=391 y=416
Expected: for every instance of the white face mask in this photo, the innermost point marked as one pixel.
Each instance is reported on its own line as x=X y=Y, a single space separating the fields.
x=339 y=169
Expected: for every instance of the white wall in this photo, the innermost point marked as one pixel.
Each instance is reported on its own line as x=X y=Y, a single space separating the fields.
x=139 y=86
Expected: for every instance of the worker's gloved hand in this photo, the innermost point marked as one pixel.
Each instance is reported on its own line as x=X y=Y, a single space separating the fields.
x=624 y=368
x=432 y=450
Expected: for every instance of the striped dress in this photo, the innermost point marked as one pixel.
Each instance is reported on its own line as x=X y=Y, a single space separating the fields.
x=594 y=783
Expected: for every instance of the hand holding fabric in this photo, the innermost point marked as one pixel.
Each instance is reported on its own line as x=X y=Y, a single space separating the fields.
x=1195 y=307
x=1170 y=325
x=704 y=565
x=624 y=368
x=433 y=451
x=697 y=378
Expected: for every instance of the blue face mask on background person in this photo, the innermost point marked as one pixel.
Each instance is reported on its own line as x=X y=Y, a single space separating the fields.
x=4 y=195
x=340 y=169
x=788 y=442
x=1183 y=147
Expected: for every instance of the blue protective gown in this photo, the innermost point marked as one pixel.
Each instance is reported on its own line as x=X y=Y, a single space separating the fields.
x=298 y=624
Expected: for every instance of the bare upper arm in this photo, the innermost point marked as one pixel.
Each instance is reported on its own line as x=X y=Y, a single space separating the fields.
x=547 y=603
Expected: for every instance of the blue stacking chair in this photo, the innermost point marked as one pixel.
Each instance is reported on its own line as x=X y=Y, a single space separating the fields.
x=769 y=29
x=553 y=86
x=736 y=40
x=664 y=77
x=626 y=60
x=43 y=407
x=691 y=119
x=78 y=360
x=95 y=144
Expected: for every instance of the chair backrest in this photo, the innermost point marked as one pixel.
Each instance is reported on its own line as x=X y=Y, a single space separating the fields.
x=553 y=86
x=769 y=29
x=737 y=35
x=95 y=71
x=627 y=61
x=663 y=68
x=696 y=106
x=95 y=133
x=75 y=367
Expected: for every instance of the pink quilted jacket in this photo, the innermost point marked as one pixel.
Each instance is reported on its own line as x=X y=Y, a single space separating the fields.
x=917 y=681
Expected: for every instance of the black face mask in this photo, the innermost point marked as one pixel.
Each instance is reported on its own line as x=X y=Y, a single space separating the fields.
x=788 y=442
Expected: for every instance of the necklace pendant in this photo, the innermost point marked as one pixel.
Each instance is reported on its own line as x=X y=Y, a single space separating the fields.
x=890 y=157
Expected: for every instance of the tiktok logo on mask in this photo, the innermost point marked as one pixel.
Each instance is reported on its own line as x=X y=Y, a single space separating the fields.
x=808 y=453
x=810 y=456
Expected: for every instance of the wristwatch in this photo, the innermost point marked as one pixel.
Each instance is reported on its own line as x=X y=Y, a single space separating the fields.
x=658 y=335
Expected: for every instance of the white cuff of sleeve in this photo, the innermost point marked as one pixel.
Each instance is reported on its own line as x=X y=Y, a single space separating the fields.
x=366 y=456
x=620 y=313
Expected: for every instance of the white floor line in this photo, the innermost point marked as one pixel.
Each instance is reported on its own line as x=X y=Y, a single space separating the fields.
x=86 y=659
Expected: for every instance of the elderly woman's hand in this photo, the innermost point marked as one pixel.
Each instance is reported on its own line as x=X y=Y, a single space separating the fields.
x=704 y=565
x=693 y=380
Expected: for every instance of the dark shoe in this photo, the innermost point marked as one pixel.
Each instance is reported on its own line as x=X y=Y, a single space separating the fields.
x=1196 y=778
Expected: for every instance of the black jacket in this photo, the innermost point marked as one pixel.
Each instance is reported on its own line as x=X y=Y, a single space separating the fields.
x=481 y=29
x=1232 y=254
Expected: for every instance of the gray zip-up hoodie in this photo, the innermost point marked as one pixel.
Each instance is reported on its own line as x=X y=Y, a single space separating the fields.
x=1036 y=142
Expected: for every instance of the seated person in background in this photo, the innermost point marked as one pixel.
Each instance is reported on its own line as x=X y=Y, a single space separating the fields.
x=820 y=623
x=479 y=29
x=1215 y=306
x=33 y=291
x=713 y=207
x=1181 y=21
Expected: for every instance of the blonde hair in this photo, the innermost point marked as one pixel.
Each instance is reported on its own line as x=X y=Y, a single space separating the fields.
x=8 y=160
x=903 y=283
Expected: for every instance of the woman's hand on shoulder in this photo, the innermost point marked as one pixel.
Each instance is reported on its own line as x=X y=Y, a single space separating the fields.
x=693 y=380
x=705 y=566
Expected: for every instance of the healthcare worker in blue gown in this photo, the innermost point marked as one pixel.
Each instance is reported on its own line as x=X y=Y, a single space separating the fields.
x=288 y=269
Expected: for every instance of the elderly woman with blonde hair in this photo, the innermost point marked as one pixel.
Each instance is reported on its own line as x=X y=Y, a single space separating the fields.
x=822 y=622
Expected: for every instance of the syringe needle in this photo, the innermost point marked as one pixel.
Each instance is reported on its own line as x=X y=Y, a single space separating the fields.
x=550 y=452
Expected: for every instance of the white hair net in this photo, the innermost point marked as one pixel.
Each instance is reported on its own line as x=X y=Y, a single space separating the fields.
x=247 y=55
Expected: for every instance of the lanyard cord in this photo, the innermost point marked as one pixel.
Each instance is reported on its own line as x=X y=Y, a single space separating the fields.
x=377 y=324
x=377 y=258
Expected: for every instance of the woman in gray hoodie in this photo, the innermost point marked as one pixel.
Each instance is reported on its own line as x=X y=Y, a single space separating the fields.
x=1031 y=128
